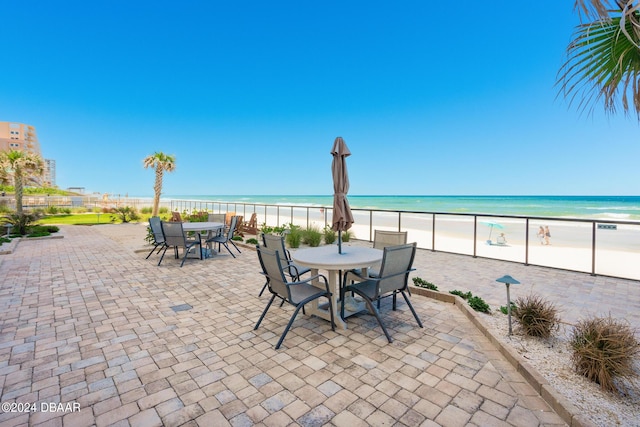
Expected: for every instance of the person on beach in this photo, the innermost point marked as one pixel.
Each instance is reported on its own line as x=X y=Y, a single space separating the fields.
x=547 y=235
x=541 y=235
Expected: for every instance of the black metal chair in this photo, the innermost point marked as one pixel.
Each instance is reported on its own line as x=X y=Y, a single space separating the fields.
x=276 y=243
x=227 y=237
x=174 y=236
x=393 y=278
x=296 y=293
x=158 y=237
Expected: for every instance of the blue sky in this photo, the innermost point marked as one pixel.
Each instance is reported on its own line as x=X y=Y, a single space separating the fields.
x=249 y=96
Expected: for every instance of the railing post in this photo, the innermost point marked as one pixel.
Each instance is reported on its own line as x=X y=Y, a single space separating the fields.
x=593 y=248
x=475 y=235
x=399 y=221
x=526 y=242
x=433 y=233
x=371 y=226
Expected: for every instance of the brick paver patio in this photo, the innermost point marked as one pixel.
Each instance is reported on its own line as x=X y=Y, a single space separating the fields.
x=88 y=322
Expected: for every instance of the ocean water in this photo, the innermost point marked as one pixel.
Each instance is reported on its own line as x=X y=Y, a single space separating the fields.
x=621 y=208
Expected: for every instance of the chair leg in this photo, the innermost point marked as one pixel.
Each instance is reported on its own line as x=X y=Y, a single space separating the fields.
x=412 y=310
x=293 y=317
x=265 y=311
x=229 y=250
x=234 y=245
x=263 y=289
x=152 y=251
x=165 y=251
x=375 y=312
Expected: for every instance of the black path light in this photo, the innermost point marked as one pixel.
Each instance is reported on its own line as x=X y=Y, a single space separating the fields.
x=508 y=280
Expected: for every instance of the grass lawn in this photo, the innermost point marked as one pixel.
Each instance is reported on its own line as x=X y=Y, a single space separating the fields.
x=88 y=219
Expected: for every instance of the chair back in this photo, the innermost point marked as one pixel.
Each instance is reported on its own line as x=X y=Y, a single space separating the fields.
x=272 y=268
x=232 y=227
x=227 y=218
x=156 y=229
x=173 y=233
x=216 y=218
x=276 y=243
x=396 y=266
x=384 y=238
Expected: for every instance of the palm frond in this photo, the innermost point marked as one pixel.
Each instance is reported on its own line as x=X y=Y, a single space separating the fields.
x=603 y=65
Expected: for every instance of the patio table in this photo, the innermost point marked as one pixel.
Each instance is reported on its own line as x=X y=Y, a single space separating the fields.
x=328 y=258
x=203 y=226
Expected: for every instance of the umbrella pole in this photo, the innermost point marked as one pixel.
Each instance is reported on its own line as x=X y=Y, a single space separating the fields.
x=339 y=241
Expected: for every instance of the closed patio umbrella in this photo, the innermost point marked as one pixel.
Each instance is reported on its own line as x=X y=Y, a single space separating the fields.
x=342 y=217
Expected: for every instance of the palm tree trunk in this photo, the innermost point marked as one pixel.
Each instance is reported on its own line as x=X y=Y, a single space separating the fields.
x=157 y=190
x=17 y=179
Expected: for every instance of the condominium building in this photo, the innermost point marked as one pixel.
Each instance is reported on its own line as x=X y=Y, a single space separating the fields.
x=18 y=136
x=22 y=137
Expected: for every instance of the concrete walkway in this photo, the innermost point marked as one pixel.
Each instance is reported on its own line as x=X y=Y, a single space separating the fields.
x=87 y=322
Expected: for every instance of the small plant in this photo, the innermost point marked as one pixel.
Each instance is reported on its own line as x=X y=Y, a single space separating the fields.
x=477 y=303
x=146 y=210
x=237 y=238
x=346 y=236
x=52 y=210
x=264 y=228
x=424 y=284
x=4 y=240
x=504 y=309
x=537 y=316
x=163 y=210
x=20 y=222
x=252 y=241
x=604 y=350
x=312 y=237
x=329 y=235
x=124 y=214
x=294 y=236
x=461 y=294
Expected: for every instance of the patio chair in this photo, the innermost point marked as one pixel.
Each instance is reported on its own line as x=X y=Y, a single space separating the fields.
x=227 y=237
x=296 y=293
x=276 y=243
x=155 y=224
x=397 y=263
x=215 y=218
x=174 y=236
x=251 y=226
x=176 y=217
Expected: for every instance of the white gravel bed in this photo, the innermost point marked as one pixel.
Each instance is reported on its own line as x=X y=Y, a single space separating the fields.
x=552 y=359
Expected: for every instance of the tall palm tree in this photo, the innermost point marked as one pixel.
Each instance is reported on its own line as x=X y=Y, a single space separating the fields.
x=160 y=162
x=603 y=59
x=22 y=165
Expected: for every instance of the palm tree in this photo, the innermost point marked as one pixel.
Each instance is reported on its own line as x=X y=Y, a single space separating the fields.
x=603 y=59
x=23 y=165
x=160 y=162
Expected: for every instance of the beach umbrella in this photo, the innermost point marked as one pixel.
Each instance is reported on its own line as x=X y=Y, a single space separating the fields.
x=342 y=217
x=491 y=225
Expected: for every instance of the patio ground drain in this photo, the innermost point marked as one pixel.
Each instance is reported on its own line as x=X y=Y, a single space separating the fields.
x=181 y=307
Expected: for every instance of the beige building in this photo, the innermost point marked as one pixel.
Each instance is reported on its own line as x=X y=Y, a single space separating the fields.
x=22 y=137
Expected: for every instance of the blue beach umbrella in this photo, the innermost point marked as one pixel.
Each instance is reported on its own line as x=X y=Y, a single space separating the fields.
x=491 y=225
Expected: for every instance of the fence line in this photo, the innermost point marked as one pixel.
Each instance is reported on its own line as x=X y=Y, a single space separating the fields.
x=602 y=247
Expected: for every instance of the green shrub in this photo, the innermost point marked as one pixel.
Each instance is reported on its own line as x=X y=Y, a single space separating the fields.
x=477 y=303
x=504 y=309
x=294 y=237
x=52 y=210
x=162 y=210
x=146 y=210
x=237 y=238
x=537 y=316
x=66 y=210
x=424 y=284
x=604 y=350
x=252 y=241
x=461 y=294
x=124 y=214
x=20 y=222
x=312 y=237
x=4 y=240
x=346 y=236
x=329 y=235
